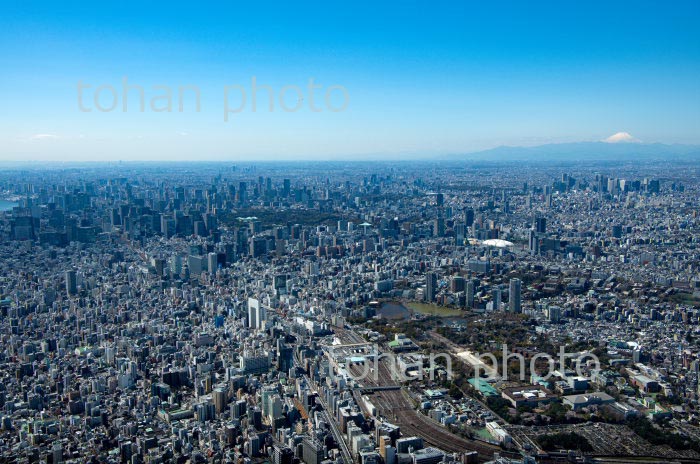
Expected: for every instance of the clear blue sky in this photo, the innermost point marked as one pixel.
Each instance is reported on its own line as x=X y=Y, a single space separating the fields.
x=422 y=79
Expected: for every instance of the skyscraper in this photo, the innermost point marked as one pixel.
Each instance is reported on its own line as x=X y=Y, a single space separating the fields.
x=212 y=262
x=457 y=284
x=541 y=225
x=253 y=305
x=439 y=227
x=470 y=294
x=257 y=315
x=284 y=356
x=469 y=217
x=430 y=286
x=496 y=294
x=219 y=398
x=261 y=316
x=534 y=242
x=71 y=283
x=514 y=301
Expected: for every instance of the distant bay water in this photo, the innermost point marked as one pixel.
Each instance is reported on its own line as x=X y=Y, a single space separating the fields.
x=7 y=205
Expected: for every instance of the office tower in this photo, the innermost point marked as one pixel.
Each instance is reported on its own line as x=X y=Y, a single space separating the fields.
x=266 y=395
x=439 y=227
x=199 y=229
x=534 y=242
x=258 y=246
x=252 y=362
x=496 y=298
x=314 y=452
x=469 y=217
x=653 y=186
x=285 y=360
x=260 y=316
x=282 y=455
x=430 y=286
x=274 y=409
x=470 y=294
x=205 y=412
x=242 y=192
x=175 y=265
x=279 y=283
x=617 y=231
x=287 y=188
x=254 y=444
x=219 y=397
x=239 y=408
x=554 y=313
x=196 y=264
x=428 y=456
x=57 y=452
x=167 y=226
x=460 y=231
x=540 y=225
x=457 y=284
x=159 y=266
x=253 y=307
x=256 y=415
x=404 y=444
x=255 y=227
x=439 y=199
x=211 y=223
x=115 y=217
x=514 y=300
x=212 y=262
x=71 y=283
x=184 y=225
x=126 y=450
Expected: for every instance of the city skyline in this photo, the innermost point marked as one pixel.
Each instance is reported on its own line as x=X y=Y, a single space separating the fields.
x=350 y=313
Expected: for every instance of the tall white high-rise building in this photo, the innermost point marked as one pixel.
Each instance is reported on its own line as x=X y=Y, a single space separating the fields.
x=257 y=315
x=253 y=306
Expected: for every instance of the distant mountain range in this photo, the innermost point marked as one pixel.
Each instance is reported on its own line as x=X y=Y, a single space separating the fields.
x=593 y=151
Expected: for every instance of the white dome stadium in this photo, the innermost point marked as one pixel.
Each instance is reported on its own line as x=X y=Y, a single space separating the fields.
x=497 y=242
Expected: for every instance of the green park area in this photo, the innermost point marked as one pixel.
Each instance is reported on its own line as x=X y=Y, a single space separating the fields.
x=433 y=310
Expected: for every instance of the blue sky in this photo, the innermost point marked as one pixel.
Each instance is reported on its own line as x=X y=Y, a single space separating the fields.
x=421 y=78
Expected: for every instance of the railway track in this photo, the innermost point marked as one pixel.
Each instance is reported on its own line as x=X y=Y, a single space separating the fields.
x=395 y=406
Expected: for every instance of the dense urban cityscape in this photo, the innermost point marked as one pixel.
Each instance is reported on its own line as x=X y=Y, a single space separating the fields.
x=350 y=312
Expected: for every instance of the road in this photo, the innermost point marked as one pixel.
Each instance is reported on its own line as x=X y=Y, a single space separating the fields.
x=337 y=435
